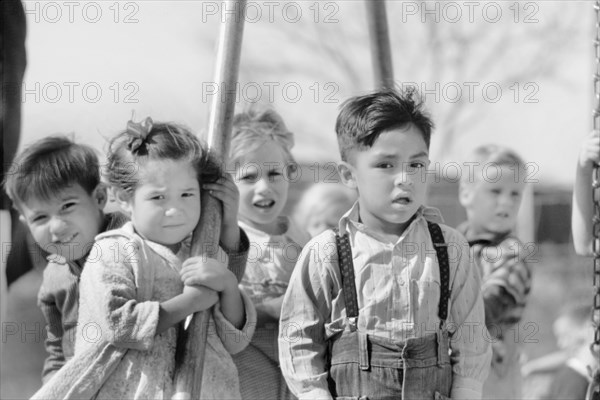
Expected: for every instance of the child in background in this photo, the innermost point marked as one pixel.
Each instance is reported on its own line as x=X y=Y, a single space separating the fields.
x=57 y=191
x=586 y=202
x=564 y=374
x=322 y=205
x=491 y=197
x=583 y=207
x=575 y=333
x=260 y=155
x=143 y=282
x=386 y=316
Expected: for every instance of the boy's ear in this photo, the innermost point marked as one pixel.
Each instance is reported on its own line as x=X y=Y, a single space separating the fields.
x=122 y=198
x=100 y=195
x=346 y=172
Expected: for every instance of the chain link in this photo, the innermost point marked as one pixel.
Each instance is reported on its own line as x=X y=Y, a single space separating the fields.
x=596 y=202
x=596 y=186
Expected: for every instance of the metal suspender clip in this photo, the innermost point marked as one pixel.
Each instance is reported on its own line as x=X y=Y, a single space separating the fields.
x=352 y=323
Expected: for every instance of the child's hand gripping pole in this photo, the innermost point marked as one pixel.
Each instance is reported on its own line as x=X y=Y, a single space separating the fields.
x=205 y=242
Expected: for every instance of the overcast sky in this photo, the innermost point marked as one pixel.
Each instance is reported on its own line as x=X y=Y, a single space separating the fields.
x=91 y=64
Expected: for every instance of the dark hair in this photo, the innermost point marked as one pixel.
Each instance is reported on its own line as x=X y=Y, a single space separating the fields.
x=131 y=149
x=363 y=118
x=49 y=165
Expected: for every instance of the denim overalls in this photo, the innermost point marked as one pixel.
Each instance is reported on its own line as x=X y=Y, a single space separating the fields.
x=369 y=367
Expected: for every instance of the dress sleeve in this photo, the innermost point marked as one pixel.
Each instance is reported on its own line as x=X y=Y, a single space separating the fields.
x=109 y=292
x=235 y=340
x=238 y=258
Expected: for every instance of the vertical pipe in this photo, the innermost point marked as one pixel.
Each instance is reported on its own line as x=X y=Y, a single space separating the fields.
x=189 y=370
x=381 y=53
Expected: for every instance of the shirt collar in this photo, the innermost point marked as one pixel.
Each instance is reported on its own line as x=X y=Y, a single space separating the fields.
x=473 y=237
x=431 y=214
x=283 y=223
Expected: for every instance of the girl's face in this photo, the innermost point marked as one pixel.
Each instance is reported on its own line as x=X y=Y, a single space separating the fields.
x=263 y=185
x=165 y=207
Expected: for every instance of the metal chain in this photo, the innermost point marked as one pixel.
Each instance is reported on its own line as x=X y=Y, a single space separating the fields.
x=593 y=392
x=596 y=190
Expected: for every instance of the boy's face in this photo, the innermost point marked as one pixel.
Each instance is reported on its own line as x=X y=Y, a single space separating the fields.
x=165 y=207
x=492 y=202
x=390 y=178
x=263 y=186
x=67 y=223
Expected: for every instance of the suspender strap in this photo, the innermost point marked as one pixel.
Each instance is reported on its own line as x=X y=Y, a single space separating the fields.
x=348 y=282
x=441 y=250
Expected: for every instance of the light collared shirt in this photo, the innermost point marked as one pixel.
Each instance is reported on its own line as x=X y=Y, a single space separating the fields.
x=398 y=290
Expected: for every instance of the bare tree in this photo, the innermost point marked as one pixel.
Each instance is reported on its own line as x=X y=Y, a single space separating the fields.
x=433 y=48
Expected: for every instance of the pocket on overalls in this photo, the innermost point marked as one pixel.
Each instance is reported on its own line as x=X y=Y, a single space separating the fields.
x=345 y=380
x=427 y=371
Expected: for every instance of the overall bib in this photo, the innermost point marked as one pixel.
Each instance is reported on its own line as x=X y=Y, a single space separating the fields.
x=364 y=366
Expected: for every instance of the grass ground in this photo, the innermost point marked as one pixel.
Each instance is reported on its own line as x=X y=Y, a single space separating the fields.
x=560 y=276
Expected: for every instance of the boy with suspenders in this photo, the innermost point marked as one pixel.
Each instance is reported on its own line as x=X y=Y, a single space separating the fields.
x=388 y=305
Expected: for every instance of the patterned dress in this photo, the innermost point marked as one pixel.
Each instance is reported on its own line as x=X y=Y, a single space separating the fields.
x=271 y=260
x=118 y=353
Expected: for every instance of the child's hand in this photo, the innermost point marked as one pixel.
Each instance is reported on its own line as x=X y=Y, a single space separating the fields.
x=590 y=150
x=273 y=307
x=227 y=192
x=200 y=298
x=207 y=272
x=269 y=311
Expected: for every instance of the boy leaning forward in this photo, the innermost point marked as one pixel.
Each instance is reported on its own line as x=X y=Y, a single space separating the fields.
x=388 y=305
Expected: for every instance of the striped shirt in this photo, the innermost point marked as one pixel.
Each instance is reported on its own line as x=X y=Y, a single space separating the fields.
x=398 y=290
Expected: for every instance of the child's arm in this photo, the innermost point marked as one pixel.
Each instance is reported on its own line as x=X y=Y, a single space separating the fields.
x=54 y=329
x=212 y=274
x=306 y=309
x=505 y=289
x=471 y=351
x=234 y=314
x=238 y=258
x=583 y=207
x=175 y=310
x=269 y=310
x=109 y=292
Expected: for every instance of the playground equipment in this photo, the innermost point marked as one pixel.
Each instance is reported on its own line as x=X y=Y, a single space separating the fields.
x=205 y=240
x=593 y=392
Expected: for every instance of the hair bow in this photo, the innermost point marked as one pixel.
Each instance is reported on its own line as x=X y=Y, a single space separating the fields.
x=139 y=132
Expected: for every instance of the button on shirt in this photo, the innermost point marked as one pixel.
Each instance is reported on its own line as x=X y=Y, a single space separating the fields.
x=398 y=290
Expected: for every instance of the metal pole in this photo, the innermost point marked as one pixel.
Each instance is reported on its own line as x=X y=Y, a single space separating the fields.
x=381 y=53
x=593 y=392
x=189 y=370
